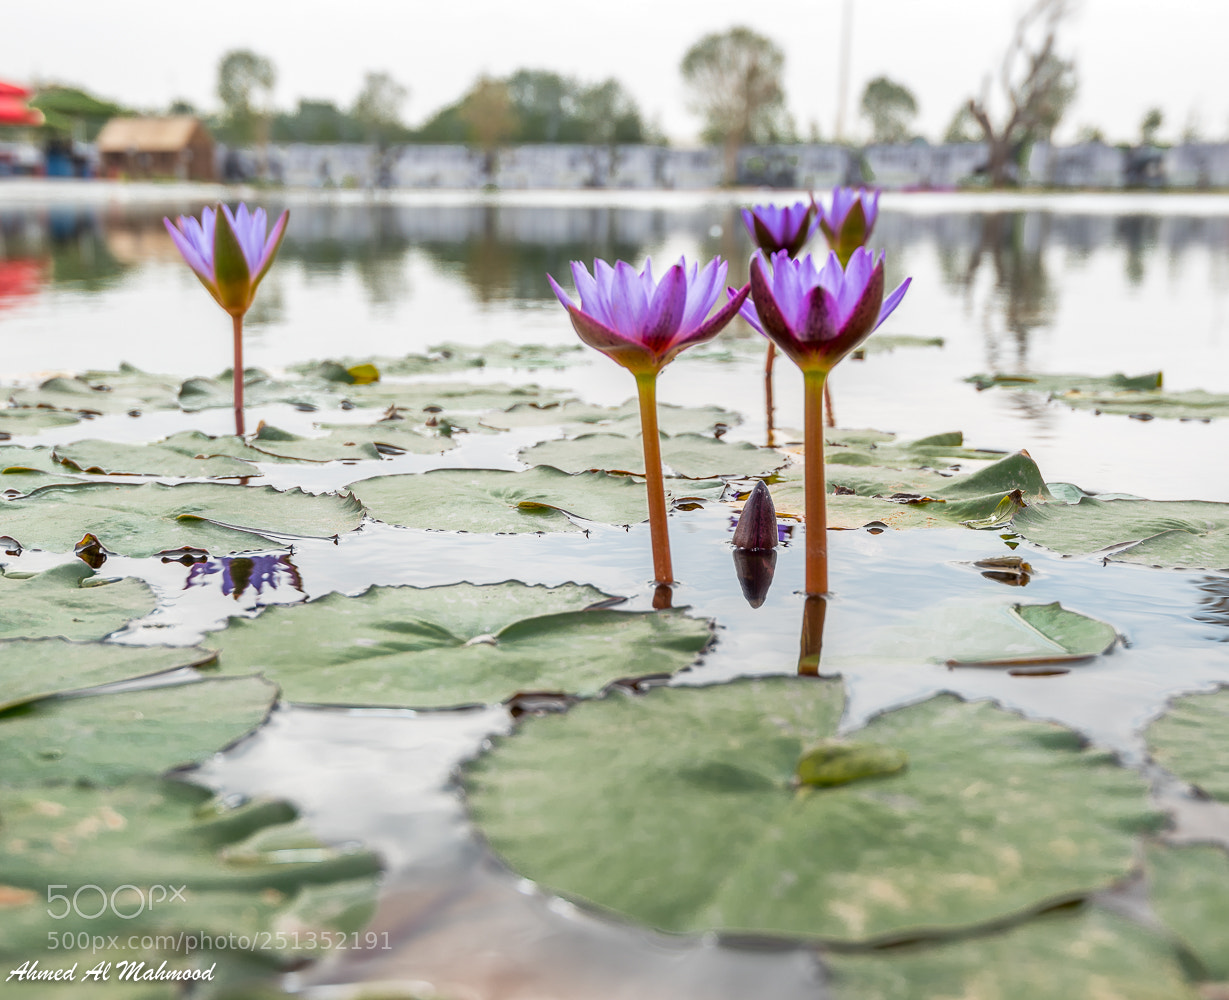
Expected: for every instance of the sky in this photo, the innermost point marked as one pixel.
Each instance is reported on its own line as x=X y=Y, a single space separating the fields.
x=1131 y=55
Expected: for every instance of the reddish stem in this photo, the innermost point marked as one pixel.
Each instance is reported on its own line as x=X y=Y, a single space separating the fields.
x=646 y=386
x=769 y=358
x=238 y=373
x=813 y=477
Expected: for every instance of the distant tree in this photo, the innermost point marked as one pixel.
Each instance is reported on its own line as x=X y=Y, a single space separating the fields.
x=608 y=114
x=243 y=76
x=1192 y=131
x=182 y=107
x=489 y=117
x=317 y=122
x=1150 y=126
x=378 y=108
x=73 y=113
x=1090 y=133
x=734 y=79
x=963 y=127
x=545 y=106
x=1036 y=86
x=890 y=107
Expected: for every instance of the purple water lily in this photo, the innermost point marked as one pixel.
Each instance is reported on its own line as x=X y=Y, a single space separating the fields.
x=848 y=223
x=230 y=252
x=777 y=228
x=231 y=258
x=642 y=323
x=817 y=315
x=814 y=314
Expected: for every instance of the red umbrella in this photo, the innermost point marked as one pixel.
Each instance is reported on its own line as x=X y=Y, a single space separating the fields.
x=13 y=110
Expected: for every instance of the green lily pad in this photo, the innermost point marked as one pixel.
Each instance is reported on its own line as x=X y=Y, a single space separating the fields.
x=489 y=500
x=121 y=391
x=173 y=864
x=259 y=389
x=907 y=496
x=576 y=418
x=349 y=442
x=1139 y=396
x=39 y=668
x=1091 y=953
x=1070 y=383
x=455 y=645
x=15 y=421
x=689 y=456
x=115 y=458
x=979 y=632
x=886 y=343
x=455 y=357
x=450 y=397
x=151 y=518
x=1192 y=740
x=26 y=469
x=1189 y=890
x=106 y=739
x=994 y=817
x=1186 y=534
x=71 y=602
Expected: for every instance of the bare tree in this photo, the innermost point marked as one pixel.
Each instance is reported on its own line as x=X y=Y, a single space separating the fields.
x=1036 y=84
x=735 y=83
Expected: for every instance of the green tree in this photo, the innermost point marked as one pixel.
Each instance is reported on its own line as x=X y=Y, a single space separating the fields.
x=243 y=78
x=490 y=119
x=545 y=106
x=608 y=114
x=734 y=79
x=890 y=107
x=1150 y=126
x=963 y=127
x=378 y=108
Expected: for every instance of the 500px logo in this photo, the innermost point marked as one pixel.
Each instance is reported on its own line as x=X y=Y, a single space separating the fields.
x=89 y=902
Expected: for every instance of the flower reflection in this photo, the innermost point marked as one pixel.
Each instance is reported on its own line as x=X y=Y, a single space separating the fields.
x=240 y=574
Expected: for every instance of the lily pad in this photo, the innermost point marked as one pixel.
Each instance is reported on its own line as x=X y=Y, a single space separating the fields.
x=16 y=421
x=71 y=602
x=26 y=469
x=1091 y=953
x=461 y=644
x=1189 y=890
x=151 y=518
x=688 y=456
x=259 y=389
x=123 y=391
x=450 y=397
x=105 y=739
x=1137 y=396
x=115 y=458
x=886 y=343
x=456 y=357
x=1192 y=740
x=576 y=417
x=161 y=859
x=489 y=500
x=1186 y=534
x=39 y=668
x=907 y=496
x=994 y=817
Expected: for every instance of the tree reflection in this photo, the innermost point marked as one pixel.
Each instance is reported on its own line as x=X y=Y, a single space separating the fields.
x=1136 y=234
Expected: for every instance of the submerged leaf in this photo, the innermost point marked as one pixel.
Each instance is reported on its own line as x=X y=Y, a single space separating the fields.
x=56 y=603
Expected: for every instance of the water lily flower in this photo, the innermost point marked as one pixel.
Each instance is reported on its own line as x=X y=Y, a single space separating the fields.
x=781 y=228
x=642 y=324
x=848 y=223
x=817 y=315
x=230 y=252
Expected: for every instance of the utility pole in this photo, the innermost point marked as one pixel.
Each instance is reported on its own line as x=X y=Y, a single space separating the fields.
x=842 y=85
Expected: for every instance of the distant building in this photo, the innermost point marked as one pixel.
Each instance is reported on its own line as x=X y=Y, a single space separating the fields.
x=180 y=148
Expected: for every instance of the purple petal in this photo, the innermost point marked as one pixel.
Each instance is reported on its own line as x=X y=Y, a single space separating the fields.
x=189 y=252
x=820 y=322
x=892 y=301
x=560 y=294
x=702 y=291
x=628 y=303
x=747 y=309
x=667 y=307
x=865 y=314
x=773 y=322
x=715 y=323
x=857 y=274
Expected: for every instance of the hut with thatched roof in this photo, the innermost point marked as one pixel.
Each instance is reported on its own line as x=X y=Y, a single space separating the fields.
x=179 y=147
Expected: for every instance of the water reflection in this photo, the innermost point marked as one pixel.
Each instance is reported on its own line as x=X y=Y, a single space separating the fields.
x=237 y=575
x=1214 y=603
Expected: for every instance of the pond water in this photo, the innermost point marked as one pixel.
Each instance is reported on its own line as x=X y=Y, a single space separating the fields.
x=1084 y=285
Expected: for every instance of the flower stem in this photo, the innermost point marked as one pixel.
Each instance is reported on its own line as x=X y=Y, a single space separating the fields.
x=813 y=475
x=238 y=374
x=769 y=358
x=814 y=611
x=646 y=386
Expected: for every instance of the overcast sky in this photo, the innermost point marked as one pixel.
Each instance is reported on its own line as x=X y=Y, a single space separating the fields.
x=1131 y=54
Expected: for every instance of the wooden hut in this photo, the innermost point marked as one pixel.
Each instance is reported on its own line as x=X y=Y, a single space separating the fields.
x=179 y=147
